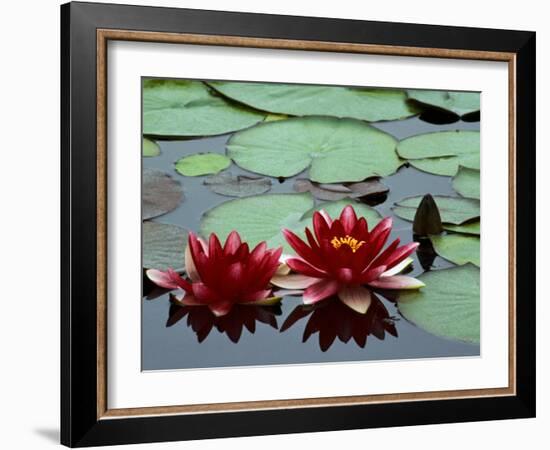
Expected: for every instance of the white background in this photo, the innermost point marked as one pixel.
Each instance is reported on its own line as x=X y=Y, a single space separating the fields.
x=30 y=238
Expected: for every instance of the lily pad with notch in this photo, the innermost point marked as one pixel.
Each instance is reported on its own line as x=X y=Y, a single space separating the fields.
x=448 y=306
x=369 y=104
x=442 y=152
x=202 y=164
x=181 y=108
x=334 y=150
x=453 y=210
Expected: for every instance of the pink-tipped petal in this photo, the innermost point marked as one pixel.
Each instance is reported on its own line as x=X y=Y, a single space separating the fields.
x=398 y=268
x=325 y=216
x=190 y=266
x=400 y=254
x=397 y=282
x=168 y=279
x=294 y=281
x=372 y=274
x=300 y=266
x=348 y=218
x=357 y=298
x=232 y=243
x=301 y=248
x=319 y=291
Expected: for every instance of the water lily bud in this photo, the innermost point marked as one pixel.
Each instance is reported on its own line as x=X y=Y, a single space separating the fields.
x=427 y=219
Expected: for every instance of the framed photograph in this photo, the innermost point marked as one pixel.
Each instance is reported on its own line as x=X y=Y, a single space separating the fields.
x=276 y=224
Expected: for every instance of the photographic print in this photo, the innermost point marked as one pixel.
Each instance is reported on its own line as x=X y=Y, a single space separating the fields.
x=299 y=224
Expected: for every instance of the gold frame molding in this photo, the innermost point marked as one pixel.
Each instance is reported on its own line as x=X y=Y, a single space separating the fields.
x=103 y=36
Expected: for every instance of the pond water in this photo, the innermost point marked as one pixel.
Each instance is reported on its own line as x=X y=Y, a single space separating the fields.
x=170 y=342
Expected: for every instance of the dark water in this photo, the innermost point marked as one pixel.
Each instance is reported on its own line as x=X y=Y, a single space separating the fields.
x=177 y=346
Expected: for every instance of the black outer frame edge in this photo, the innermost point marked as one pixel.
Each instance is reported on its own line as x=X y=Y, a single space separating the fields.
x=79 y=426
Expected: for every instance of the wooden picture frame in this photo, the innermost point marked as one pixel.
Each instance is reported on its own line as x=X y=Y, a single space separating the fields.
x=86 y=418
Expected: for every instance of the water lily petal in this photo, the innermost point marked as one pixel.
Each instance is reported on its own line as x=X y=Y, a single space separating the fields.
x=348 y=218
x=169 y=279
x=357 y=298
x=301 y=248
x=326 y=216
x=294 y=281
x=302 y=267
x=283 y=269
x=320 y=225
x=232 y=243
x=398 y=268
x=400 y=254
x=397 y=282
x=320 y=291
x=372 y=274
x=190 y=267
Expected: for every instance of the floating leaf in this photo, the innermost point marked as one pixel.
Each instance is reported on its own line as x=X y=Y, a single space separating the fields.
x=457 y=248
x=150 y=148
x=237 y=186
x=466 y=228
x=459 y=103
x=466 y=182
x=274 y=117
x=453 y=210
x=160 y=193
x=442 y=152
x=307 y=100
x=202 y=164
x=163 y=246
x=338 y=191
x=448 y=306
x=336 y=150
x=188 y=108
x=262 y=218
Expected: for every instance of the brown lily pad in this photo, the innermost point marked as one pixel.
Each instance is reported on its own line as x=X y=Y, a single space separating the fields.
x=160 y=193
x=237 y=186
x=340 y=191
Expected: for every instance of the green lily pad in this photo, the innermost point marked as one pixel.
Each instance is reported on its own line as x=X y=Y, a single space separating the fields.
x=178 y=108
x=448 y=306
x=335 y=150
x=202 y=164
x=307 y=100
x=160 y=193
x=466 y=182
x=453 y=210
x=442 y=152
x=163 y=246
x=466 y=228
x=459 y=103
x=150 y=148
x=237 y=186
x=457 y=248
x=262 y=218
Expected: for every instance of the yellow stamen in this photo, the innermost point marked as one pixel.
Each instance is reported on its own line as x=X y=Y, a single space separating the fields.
x=351 y=242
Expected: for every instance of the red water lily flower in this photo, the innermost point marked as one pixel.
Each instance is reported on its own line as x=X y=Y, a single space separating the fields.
x=220 y=277
x=344 y=258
